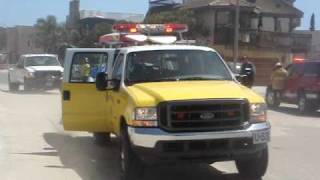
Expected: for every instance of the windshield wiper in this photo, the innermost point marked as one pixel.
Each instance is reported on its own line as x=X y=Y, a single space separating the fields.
x=197 y=78
x=152 y=80
x=165 y=79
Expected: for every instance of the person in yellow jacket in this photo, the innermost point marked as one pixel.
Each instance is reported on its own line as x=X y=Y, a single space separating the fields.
x=278 y=78
x=85 y=70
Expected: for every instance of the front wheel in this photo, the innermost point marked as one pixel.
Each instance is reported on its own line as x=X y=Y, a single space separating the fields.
x=13 y=86
x=130 y=164
x=304 y=105
x=254 y=167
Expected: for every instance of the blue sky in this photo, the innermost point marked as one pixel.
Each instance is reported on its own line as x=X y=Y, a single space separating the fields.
x=26 y=12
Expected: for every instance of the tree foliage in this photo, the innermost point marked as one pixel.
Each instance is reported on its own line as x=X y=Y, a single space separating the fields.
x=88 y=37
x=54 y=37
x=312 y=23
x=49 y=34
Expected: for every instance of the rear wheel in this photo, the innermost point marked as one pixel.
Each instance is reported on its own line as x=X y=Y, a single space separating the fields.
x=12 y=86
x=254 y=167
x=102 y=138
x=130 y=164
x=272 y=99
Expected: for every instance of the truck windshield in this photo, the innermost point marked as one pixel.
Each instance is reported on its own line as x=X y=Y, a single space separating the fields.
x=42 y=61
x=175 y=65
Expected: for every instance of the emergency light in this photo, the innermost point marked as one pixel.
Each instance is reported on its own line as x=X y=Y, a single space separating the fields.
x=139 y=34
x=150 y=28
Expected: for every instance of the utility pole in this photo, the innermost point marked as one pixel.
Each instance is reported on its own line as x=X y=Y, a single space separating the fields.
x=236 y=34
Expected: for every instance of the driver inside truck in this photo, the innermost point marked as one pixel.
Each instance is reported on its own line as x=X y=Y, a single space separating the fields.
x=143 y=67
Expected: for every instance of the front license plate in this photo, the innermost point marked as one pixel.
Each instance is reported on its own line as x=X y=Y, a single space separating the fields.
x=260 y=137
x=49 y=84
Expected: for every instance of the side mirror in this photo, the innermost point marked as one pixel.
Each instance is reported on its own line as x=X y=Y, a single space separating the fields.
x=101 y=81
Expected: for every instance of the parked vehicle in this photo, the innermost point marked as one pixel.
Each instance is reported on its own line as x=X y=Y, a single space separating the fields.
x=166 y=104
x=36 y=71
x=302 y=87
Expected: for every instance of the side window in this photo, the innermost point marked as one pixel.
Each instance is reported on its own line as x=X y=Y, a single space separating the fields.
x=118 y=67
x=86 y=66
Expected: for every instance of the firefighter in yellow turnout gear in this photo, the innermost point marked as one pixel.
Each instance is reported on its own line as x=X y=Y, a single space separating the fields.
x=85 y=70
x=278 y=77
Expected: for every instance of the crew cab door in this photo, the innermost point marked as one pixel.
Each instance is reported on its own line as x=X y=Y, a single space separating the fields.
x=83 y=107
x=292 y=83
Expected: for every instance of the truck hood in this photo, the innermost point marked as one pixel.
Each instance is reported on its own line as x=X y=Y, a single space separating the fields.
x=44 y=68
x=146 y=94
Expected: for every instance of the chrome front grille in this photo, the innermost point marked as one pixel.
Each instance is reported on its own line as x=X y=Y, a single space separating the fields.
x=204 y=115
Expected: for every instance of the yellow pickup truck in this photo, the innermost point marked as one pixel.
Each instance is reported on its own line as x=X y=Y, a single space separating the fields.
x=166 y=103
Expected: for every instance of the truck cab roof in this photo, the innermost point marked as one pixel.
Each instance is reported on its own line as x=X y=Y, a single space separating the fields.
x=37 y=55
x=147 y=48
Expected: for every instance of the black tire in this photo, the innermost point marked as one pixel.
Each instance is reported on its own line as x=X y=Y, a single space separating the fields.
x=304 y=105
x=254 y=168
x=102 y=139
x=131 y=167
x=13 y=86
x=271 y=99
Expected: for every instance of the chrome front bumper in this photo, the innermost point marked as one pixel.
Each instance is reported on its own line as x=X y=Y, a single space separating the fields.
x=148 y=137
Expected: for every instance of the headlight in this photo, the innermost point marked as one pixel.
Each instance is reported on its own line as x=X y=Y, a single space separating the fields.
x=30 y=74
x=145 y=117
x=258 y=113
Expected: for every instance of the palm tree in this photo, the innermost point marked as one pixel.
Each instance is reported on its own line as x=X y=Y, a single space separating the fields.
x=49 y=33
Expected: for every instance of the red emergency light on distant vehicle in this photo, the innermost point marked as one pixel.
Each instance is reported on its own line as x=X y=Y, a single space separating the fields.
x=150 y=28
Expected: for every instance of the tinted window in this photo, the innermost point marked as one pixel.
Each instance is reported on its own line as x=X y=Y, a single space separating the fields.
x=85 y=66
x=160 y=65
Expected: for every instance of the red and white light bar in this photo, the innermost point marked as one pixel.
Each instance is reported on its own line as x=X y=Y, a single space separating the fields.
x=150 y=28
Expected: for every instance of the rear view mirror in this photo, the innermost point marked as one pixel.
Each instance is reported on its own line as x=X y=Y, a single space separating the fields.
x=102 y=81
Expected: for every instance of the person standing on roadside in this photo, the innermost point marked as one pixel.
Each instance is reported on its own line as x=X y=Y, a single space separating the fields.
x=248 y=69
x=278 y=78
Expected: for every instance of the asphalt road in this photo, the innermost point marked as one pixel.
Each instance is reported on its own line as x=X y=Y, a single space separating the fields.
x=33 y=146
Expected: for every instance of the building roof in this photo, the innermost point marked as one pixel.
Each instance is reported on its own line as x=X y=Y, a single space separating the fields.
x=216 y=3
x=268 y=7
x=278 y=7
x=165 y=47
x=88 y=14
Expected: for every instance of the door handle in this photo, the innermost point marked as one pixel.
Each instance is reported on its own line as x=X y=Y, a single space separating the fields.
x=66 y=95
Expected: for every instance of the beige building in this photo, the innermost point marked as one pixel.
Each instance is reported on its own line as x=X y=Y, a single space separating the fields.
x=20 y=40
